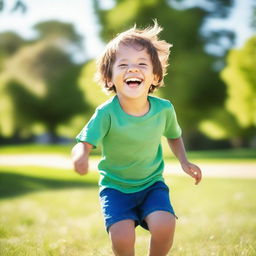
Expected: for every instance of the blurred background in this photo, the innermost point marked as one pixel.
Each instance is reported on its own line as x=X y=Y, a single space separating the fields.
x=47 y=65
x=47 y=94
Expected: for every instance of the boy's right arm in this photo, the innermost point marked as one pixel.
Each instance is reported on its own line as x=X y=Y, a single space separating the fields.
x=80 y=154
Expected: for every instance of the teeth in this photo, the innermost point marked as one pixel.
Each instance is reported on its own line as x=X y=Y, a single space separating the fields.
x=133 y=80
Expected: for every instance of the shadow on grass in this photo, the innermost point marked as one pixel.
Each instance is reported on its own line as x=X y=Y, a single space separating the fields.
x=13 y=184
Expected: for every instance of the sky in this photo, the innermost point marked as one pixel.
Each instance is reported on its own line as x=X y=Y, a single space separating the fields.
x=80 y=13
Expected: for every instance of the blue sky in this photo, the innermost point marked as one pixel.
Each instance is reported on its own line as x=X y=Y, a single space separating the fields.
x=79 y=12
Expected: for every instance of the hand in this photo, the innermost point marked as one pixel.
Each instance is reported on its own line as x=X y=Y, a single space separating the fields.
x=79 y=157
x=81 y=165
x=192 y=170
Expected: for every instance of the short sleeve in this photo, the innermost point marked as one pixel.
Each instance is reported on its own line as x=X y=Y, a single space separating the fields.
x=95 y=129
x=172 y=128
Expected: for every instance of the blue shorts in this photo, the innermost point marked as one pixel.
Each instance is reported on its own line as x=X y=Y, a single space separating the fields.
x=117 y=206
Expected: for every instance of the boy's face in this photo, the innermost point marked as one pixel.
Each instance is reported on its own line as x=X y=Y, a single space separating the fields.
x=132 y=73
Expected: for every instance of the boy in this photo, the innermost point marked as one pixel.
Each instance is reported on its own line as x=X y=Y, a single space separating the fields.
x=129 y=127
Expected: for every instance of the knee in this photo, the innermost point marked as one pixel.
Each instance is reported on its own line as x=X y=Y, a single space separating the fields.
x=122 y=242
x=163 y=231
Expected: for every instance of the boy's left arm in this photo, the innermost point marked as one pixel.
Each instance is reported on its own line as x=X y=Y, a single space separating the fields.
x=178 y=149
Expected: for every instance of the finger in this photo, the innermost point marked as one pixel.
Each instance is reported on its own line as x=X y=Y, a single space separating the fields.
x=199 y=174
x=198 y=177
x=80 y=170
x=196 y=174
x=81 y=167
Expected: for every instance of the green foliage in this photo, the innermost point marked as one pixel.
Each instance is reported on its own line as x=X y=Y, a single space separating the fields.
x=240 y=78
x=93 y=92
x=120 y=14
x=220 y=125
x=57 y=100
x=9 y=44
x=39 y=86
x=64 y=32
x=237 y=120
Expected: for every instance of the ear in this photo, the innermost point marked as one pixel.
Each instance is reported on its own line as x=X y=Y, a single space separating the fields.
x=110 y=84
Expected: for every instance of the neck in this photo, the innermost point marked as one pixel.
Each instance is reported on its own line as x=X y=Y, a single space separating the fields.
x=134 y=107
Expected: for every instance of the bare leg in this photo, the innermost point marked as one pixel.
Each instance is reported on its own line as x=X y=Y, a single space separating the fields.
x=161 y=226
x=122 y=235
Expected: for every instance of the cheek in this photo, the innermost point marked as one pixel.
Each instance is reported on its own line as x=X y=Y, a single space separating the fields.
x=117 y=74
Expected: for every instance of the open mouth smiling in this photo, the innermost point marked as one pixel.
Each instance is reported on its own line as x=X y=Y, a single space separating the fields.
x=133 y=82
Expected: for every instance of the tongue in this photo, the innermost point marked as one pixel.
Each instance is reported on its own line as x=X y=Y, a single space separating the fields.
x=134 y=84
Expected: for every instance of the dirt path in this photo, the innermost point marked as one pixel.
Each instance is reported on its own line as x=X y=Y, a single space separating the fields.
x=241 y=170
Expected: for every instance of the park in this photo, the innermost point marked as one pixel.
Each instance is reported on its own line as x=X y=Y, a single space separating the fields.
x=49 y=54
x=50 y=210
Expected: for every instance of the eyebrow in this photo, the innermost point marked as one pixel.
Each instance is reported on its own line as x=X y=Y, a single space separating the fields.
x=138 y=59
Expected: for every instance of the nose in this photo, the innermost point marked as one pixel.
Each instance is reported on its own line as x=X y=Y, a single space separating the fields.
x=132 y=68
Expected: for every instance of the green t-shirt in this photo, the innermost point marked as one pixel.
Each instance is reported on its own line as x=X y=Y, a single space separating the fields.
x=132 y=158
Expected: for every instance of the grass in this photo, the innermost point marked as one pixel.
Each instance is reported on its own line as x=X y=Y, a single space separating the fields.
x=36 y=148
x=222 y=156
x=56 y=212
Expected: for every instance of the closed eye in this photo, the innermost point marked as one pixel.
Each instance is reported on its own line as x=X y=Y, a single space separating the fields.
x=143 y=64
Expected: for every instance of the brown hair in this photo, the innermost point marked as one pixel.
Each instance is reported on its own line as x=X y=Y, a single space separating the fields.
x=146 y=38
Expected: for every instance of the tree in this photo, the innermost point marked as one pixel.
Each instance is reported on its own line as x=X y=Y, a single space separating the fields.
x=9 y=44
x=237 y=121
x=58 y=31
x=39 y=87
x=93 y=92
x=17 y=6
x=240 y=78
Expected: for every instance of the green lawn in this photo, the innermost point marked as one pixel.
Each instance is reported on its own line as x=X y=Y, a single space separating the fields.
x=36 y=148
x=230 y=155
x=56 y=212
